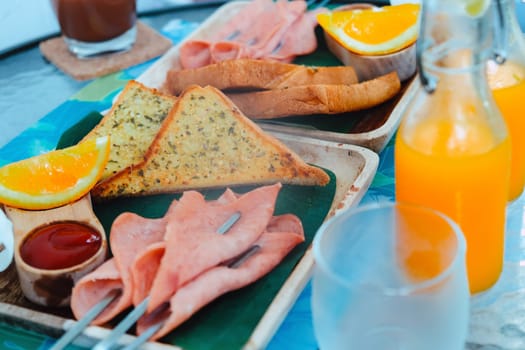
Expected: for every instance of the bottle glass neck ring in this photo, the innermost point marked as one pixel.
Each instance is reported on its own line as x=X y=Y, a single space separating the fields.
x=452 y=39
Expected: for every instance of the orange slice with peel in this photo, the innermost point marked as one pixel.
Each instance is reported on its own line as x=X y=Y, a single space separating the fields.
x=374 y=31
x=55 y=178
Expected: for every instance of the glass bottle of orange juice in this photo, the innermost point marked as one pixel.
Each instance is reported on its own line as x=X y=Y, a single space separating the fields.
x=507 y=82
x=452 y=150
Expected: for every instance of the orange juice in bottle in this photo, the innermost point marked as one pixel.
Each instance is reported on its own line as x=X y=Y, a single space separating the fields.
x=459 y=184
x=452 y=150
x=507 y=82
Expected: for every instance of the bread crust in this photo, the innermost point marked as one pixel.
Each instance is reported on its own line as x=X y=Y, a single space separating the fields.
x=206 y=142
x=317 y=99
x=253 y=74
x=132 y=123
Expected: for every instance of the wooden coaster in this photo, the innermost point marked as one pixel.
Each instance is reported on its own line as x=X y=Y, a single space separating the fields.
x=149 y=44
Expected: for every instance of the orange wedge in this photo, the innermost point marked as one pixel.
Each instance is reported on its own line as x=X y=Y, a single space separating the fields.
x=375 y=31
x=55 y=178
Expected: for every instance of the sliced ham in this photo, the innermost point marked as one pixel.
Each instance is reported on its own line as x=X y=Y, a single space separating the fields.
x=266 y=31
x=130 y=234
x=242 y=21
x=285 y=223
x=228 y=50
x=195 y=53
x=289 y=47
x=183 y=254
x=94 y=287
x=144 y=270
x=288 y=12
x=147 y=263
x=191 y=236
x=259 y=30
x=281 y=236
x=198 y=53
x=227 y=197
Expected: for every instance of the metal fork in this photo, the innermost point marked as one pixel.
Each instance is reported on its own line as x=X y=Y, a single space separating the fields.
x=234 y=263
x=111 y=340
x=79 y=327
x=112 y=295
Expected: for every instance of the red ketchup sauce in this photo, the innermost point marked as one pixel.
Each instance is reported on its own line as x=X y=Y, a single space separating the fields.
x=60 y=245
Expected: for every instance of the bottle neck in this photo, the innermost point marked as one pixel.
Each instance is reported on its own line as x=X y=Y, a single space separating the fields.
x=507 y=30
x=451 y=41
x=508 y=12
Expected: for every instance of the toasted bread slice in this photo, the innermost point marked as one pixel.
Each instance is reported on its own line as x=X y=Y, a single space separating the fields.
x=132 y=123
x=317 y=99
x=254 y=74
x=206 y=142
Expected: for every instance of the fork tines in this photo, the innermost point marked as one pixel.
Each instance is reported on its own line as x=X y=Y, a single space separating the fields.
x=130 y=319
x=79 y=327
x=234 y=263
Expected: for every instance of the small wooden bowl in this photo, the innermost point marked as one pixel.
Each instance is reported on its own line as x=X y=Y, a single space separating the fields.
x=370 y=67
x=53 y=287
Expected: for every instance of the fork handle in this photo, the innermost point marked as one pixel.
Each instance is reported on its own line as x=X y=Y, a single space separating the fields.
x=110 y=341
x=135 y=344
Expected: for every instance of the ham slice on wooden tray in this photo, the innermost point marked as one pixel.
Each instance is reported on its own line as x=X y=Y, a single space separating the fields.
x=299 y=40
x=94 y=287
x=192 y=242
x=147 y=263
x=181 y=261
x=281 y=235
x=268 y=28
x=129 y=235
x=195 y=53
x=263 y=29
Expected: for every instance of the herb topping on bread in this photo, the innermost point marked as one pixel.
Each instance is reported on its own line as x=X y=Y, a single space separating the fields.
x=207 y=142
x=132 y=123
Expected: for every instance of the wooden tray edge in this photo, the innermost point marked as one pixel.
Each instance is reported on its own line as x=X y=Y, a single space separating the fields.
x=375 y=140
x=295 y=283
x=155 y=75
x=346 y=197
x=349 y=192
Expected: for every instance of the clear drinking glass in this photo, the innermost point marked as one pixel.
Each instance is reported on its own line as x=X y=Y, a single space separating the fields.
x=390 y=276
x=93 y=27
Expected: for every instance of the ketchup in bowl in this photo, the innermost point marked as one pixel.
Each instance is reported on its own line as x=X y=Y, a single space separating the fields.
x=60 y=245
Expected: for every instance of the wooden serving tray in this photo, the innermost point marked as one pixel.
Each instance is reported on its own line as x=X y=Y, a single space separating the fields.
x=354 y=168
x=371 y=128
